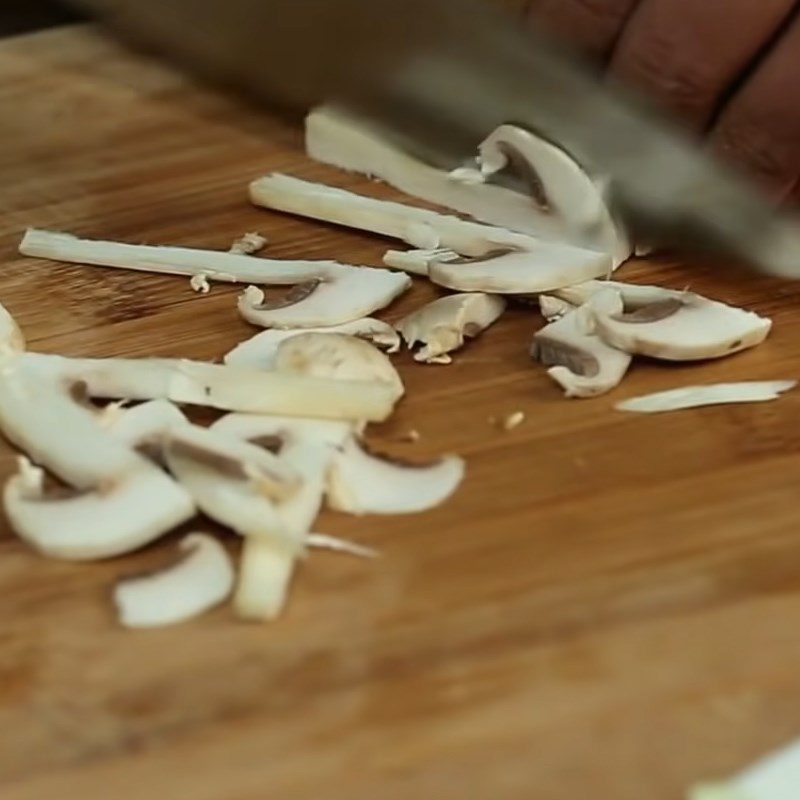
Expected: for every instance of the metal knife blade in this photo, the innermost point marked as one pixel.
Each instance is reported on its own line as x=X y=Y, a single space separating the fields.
x=443 y=73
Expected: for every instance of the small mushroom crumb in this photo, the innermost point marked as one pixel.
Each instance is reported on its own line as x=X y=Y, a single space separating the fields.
x=199 y=283
x=412 y=435
x=248 y=244
x=513 y=420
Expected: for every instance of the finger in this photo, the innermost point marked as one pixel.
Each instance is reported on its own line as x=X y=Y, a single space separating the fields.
x=591 y=25
x=760 y=126
x=686 y=54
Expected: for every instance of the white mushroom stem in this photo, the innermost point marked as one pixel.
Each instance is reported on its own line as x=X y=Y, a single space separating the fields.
x=234 y=482
x=580 y=362
x=325 y=292
x=360 y=482
x=709 y=395
x=527 y=264
x=416 y=262
x=308 y=447
x=338 y=357
x=549 y=195
x=228 y=388
x=672 y=325
x=259 y=351
x=443 y=324
x=202 y=579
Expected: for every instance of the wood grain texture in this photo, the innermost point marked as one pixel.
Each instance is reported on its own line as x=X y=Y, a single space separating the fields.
x=608 y=609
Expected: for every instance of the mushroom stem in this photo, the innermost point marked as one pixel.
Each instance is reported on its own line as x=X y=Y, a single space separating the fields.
x=229 y=388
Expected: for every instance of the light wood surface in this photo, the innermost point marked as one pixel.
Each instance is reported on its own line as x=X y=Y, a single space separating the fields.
x=609 y=609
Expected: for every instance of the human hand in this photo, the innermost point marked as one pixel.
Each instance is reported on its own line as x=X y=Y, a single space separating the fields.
x=727 y=68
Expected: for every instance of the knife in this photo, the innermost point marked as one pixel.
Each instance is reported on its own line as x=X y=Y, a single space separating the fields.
x=439 y=75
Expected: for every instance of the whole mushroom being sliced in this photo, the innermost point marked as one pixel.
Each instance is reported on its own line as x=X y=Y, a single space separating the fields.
x=202 y=579
x=443 y=325
x=579 y=360
x=672 y=325
x=308 y=447
x=259 y=351
x=361 y=482
x=527 y=264
x=117 y=501
x=524 y=184
x=323 y=293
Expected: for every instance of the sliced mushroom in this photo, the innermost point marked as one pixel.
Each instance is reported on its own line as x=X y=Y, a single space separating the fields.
x=229 y=388
x=710 y=395
x=506 y=270
x=12 y=342
x=259 y=351
x=524 y=264
x=338 y=357
x=416 y=262
x=361 y=482
x=325 y=542
x=443 y=324
x=579 y=360
x=326 y=293
x=124 y=512
x=144 y=424
x=235 y=483
x=202 y=579
x=121 y=501
x=672 y=325
x=575 y=210
x=553 y=308
x=308 y=447
x=340 y=296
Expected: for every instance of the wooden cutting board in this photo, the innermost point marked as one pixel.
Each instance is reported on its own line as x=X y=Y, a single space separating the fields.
x=609 y=608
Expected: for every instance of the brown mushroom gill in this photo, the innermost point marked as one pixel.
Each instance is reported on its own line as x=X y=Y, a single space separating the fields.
x=297 y=294
x=652 y=312
x=554 y=353
x=489 y=255
x=272 y=442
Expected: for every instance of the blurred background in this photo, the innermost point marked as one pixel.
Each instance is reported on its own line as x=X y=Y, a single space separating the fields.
x=18 y=16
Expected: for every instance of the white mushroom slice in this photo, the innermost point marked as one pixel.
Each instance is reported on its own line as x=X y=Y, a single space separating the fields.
x=672 y=325
x=416 y=262
x=234 y=482
x=324 y=293
x=202 y=579
x=248 y=244
x=325 y=542
x=709 y=395
x=773 y=778
x=579 y=360
x=341 y=295
x=443 y=324
x=228 y=388
x=528 y=264
x=553 y=308
x=308 y=447
x=507 y=270
x=361 y=482
x=549 y=195
x=12 y=340
x=121 y=502
x=339 y=357
x=144 y=424
x=123 y=513
x=259 y=351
